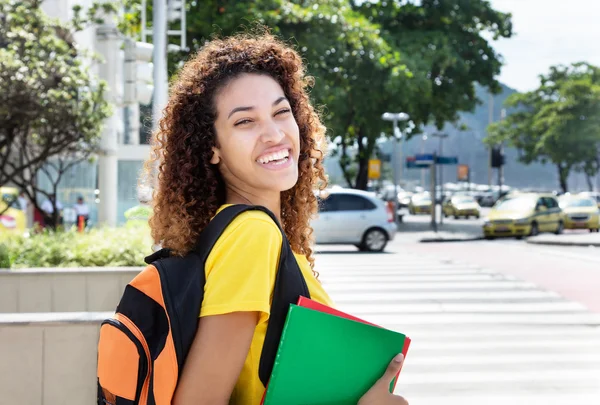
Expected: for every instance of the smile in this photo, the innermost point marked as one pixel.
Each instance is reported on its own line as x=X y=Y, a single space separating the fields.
x=275 y=158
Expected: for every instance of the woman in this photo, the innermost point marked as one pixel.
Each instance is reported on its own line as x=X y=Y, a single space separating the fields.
x=239 y=129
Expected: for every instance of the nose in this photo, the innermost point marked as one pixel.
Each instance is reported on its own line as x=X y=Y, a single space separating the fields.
x=271 y=133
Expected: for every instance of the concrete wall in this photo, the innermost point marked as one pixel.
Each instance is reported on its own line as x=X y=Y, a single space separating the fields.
x=49 y=359
x=63 y=290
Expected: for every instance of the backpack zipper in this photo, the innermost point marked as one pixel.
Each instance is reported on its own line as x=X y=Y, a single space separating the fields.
x=124 y=324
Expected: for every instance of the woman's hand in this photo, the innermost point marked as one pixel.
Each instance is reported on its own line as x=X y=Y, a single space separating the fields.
x=379 y=394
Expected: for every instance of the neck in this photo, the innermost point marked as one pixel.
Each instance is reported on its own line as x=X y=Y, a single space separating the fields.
x=272 y=201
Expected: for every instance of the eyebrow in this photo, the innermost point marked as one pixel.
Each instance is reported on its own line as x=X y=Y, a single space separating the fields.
x=237 y=109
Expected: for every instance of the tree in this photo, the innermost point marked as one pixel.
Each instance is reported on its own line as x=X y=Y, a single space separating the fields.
x=558 y=122
x=369 y=58
x=51 y=107
x=444 y=48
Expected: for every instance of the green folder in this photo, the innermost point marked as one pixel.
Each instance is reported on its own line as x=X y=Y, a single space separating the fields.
x=324 y=359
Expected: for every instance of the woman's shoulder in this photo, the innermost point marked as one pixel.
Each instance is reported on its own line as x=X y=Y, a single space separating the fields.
x=253 y=222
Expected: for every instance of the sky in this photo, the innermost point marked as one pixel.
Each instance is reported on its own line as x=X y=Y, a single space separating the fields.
x=546 y=33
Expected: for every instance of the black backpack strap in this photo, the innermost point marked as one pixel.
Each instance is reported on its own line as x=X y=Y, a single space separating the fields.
x=183 y=287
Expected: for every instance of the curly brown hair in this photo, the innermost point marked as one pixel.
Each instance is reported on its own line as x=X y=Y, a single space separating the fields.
x=188 y=189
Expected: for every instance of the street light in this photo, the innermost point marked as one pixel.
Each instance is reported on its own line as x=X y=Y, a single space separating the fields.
x=394 y=118
x=442 y=136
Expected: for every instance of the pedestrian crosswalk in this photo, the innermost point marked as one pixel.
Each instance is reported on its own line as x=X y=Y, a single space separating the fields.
x=479 y=337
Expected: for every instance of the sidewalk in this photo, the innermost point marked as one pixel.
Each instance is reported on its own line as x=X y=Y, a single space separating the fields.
x=576 y=239
x=444 y=236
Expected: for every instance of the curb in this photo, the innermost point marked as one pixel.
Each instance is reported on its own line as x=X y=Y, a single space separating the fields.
x=443 y=240
x=563 y=243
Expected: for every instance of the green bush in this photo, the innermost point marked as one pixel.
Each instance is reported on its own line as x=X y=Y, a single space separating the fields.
x=123 y=246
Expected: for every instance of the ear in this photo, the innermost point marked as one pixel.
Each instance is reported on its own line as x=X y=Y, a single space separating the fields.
x=216 y=158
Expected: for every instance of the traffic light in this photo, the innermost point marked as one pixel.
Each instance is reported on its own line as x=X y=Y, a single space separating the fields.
x=138 y=73
x=175 y=10
x=497 y=157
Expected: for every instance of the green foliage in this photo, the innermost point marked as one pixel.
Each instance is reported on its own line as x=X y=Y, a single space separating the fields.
x=558 y=122
x=125 y=246
x=371 y=57
x=51 y=107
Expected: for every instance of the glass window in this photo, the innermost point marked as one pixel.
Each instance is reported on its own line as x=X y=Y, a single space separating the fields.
x=349 y=202
x=328 y=204
x=550 y=202
x=516 y=204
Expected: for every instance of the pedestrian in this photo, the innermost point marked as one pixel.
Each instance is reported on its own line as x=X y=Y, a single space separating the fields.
x=48 y=213
x=239 y=129
x=82 y=211
x=23 y=203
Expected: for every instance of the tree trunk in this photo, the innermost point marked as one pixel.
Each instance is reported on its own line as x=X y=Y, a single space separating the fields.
x=563 y=175
x=590 y=184
x=344 y=164
x=362 y=176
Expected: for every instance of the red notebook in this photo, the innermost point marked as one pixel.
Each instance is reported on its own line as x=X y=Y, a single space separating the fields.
x=314 y=305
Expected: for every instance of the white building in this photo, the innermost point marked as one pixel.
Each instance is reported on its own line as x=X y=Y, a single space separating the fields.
x=109 y=184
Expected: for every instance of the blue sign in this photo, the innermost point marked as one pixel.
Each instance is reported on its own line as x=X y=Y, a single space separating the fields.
x=446 y=160
x=424 y=158
x=411 y=164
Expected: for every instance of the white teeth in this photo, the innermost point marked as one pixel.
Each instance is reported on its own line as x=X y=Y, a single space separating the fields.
x=274 y=156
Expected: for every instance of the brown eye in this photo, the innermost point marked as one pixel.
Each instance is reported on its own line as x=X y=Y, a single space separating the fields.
x=242 y=122
x=280 y=112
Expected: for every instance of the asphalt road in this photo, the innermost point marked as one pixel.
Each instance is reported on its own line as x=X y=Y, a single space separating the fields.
x=491 y=322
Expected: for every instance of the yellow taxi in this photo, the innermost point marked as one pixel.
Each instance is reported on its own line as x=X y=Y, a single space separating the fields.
x=462 y=206
x=526 y=214
x=420 y=204
x=580 y=212
x=12 y=219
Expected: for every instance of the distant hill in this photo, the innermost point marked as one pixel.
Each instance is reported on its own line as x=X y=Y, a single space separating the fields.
x=468 y=147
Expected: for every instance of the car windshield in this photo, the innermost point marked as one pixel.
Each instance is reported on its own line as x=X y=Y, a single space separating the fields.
x=516 y=204
x=422 y=198
x=463 y=200
x=577 y=202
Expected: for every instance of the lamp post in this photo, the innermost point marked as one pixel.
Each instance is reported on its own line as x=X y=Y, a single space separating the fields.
x=394 y=118
x=442 y=136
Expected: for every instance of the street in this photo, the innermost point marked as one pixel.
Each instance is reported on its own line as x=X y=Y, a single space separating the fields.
x=492 y=322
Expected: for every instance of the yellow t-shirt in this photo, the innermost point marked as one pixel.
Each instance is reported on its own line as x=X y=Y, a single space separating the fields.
x=240 y=276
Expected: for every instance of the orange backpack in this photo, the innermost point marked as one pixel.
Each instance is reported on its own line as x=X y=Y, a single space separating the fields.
x=142 y=348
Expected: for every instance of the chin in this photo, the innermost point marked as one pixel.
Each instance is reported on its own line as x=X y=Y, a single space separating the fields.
x=283 y=184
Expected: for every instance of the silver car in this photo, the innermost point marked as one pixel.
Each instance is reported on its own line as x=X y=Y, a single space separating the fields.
x=356 y=217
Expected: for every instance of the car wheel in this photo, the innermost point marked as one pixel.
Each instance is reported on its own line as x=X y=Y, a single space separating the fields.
x=534 y=229
x=374 y=240
x=560 y=229
x=489 y=238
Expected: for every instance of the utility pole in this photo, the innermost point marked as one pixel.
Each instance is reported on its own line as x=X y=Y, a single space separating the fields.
x=108 y=45
x=442 y=136
x=432 y=169
x=395 y=117
x=490 y=122
x=501 y=168
x=159 y=39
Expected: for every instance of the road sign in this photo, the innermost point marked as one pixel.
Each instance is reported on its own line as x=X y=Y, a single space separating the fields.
x=374 y=169
x=412 y=163
x=446 y=160
x=463 y=173
x=424 y=159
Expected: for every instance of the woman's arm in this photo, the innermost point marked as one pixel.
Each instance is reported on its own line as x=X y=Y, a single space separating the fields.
x=215 y=359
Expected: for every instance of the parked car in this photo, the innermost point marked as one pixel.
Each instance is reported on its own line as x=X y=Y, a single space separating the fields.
x=355 y=217
x=461 y=206
x=580 y=212
x=525 y=214
x=420 y=204
x=592 y=194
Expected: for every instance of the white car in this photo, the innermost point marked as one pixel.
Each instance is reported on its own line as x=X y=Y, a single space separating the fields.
x=356 y=217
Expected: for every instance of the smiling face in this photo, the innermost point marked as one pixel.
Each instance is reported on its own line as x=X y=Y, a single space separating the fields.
x=258 y=140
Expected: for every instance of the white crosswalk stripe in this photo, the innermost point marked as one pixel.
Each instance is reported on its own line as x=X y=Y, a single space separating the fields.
x=479 y=337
